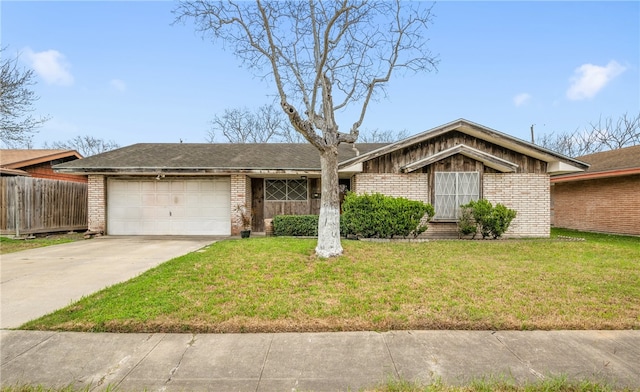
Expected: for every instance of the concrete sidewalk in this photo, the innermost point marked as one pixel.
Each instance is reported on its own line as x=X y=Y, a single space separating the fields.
x=313 y=361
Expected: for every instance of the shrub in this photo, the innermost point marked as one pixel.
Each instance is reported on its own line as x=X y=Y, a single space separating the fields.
x=295 y=225
x=481 y=216
x=379 y=216
x=466 y=224
x=501 y=219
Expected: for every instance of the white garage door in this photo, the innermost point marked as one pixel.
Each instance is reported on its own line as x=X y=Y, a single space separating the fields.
x=169 y=206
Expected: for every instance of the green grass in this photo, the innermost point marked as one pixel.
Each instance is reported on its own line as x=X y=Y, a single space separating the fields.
x=276 y=284
x=8 y=245
x=559 y=384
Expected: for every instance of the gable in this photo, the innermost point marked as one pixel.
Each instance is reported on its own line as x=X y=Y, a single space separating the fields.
x=529 y=157
x=454 y=151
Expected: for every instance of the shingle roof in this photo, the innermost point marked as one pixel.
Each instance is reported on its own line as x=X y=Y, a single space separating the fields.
x=623 y=158
x=269 y=156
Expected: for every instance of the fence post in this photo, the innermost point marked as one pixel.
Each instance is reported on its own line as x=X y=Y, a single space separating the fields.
x=17 y=210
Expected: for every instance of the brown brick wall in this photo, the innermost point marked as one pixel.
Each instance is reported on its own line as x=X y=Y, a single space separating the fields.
x=44 y=170
x=608 y=205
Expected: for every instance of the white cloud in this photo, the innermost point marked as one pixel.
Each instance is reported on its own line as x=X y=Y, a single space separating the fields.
x=521 y=99
x=118 y=85
x=589 y=79
x=50 y=65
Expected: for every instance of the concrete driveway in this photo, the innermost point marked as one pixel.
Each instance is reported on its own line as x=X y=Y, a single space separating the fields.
x=38 y=281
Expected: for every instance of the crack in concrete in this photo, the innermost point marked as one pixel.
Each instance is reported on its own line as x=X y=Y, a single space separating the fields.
x=30 y=348
x=173 y=371
x=393 y=362
x=140 y=361
x=520 y=359
x=264 y=363
x=113 y=370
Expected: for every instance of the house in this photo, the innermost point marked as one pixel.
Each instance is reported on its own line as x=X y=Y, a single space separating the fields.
x=34 y=198
x=37 y=163
x=605 y=198
x=173 y=189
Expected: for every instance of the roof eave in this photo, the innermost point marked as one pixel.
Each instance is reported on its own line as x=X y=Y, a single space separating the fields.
x=44 y=158
x=595 y=175
x=183 y=171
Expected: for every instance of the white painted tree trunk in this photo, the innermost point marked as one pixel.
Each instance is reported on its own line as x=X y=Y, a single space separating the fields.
x=329 y=223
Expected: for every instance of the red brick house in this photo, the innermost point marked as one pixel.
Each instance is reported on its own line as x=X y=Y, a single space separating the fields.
x=605 y=198
x=37 y=163
x=174 y=189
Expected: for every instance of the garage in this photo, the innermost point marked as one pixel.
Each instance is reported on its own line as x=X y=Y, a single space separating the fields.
x=169 y=206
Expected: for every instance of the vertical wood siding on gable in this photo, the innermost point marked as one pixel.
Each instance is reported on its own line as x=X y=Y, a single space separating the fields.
x=394 y=161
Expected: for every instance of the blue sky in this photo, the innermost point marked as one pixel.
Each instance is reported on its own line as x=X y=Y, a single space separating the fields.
x=119 y=70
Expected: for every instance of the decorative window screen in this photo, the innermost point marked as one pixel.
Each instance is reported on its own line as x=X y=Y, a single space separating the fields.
x=283 y=190
x=453 y=189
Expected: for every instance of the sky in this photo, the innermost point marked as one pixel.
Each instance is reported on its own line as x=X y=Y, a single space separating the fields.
x=122 y=71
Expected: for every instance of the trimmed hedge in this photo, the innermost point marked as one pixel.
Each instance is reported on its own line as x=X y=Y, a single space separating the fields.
x=295 y=225
x=379 y=216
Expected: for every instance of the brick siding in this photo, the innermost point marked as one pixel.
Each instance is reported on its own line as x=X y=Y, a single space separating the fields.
x=528 y=194
x=97 y=203
x=413 y=186
x=608 y=205
x=240 y=196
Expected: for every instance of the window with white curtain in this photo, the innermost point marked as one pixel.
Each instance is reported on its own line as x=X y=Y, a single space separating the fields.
x=452 y=189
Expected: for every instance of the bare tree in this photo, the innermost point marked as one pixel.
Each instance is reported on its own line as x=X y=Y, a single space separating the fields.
x=262 y=126
x=623 y=132
x=378 y=136
x=17 y=124
x=323 y=57
x=606 y=134
x=85 y=145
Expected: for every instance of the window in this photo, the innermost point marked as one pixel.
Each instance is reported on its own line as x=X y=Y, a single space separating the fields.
x=283 y=190
x=453 y=189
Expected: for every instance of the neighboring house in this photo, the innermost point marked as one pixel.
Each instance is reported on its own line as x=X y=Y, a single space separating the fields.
x=34 y=198
x=605 y=198
x=37 y=163
x=175 y=189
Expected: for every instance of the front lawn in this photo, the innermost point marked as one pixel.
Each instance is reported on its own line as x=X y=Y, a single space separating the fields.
x=9 y=245
x=276 y=285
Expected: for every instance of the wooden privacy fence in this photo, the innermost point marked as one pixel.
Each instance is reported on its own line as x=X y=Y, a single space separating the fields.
x=37 y=205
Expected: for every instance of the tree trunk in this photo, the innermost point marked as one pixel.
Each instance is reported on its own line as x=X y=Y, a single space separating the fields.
x=329 y=223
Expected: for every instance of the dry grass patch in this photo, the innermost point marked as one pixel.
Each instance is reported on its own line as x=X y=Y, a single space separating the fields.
x=276 y=285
